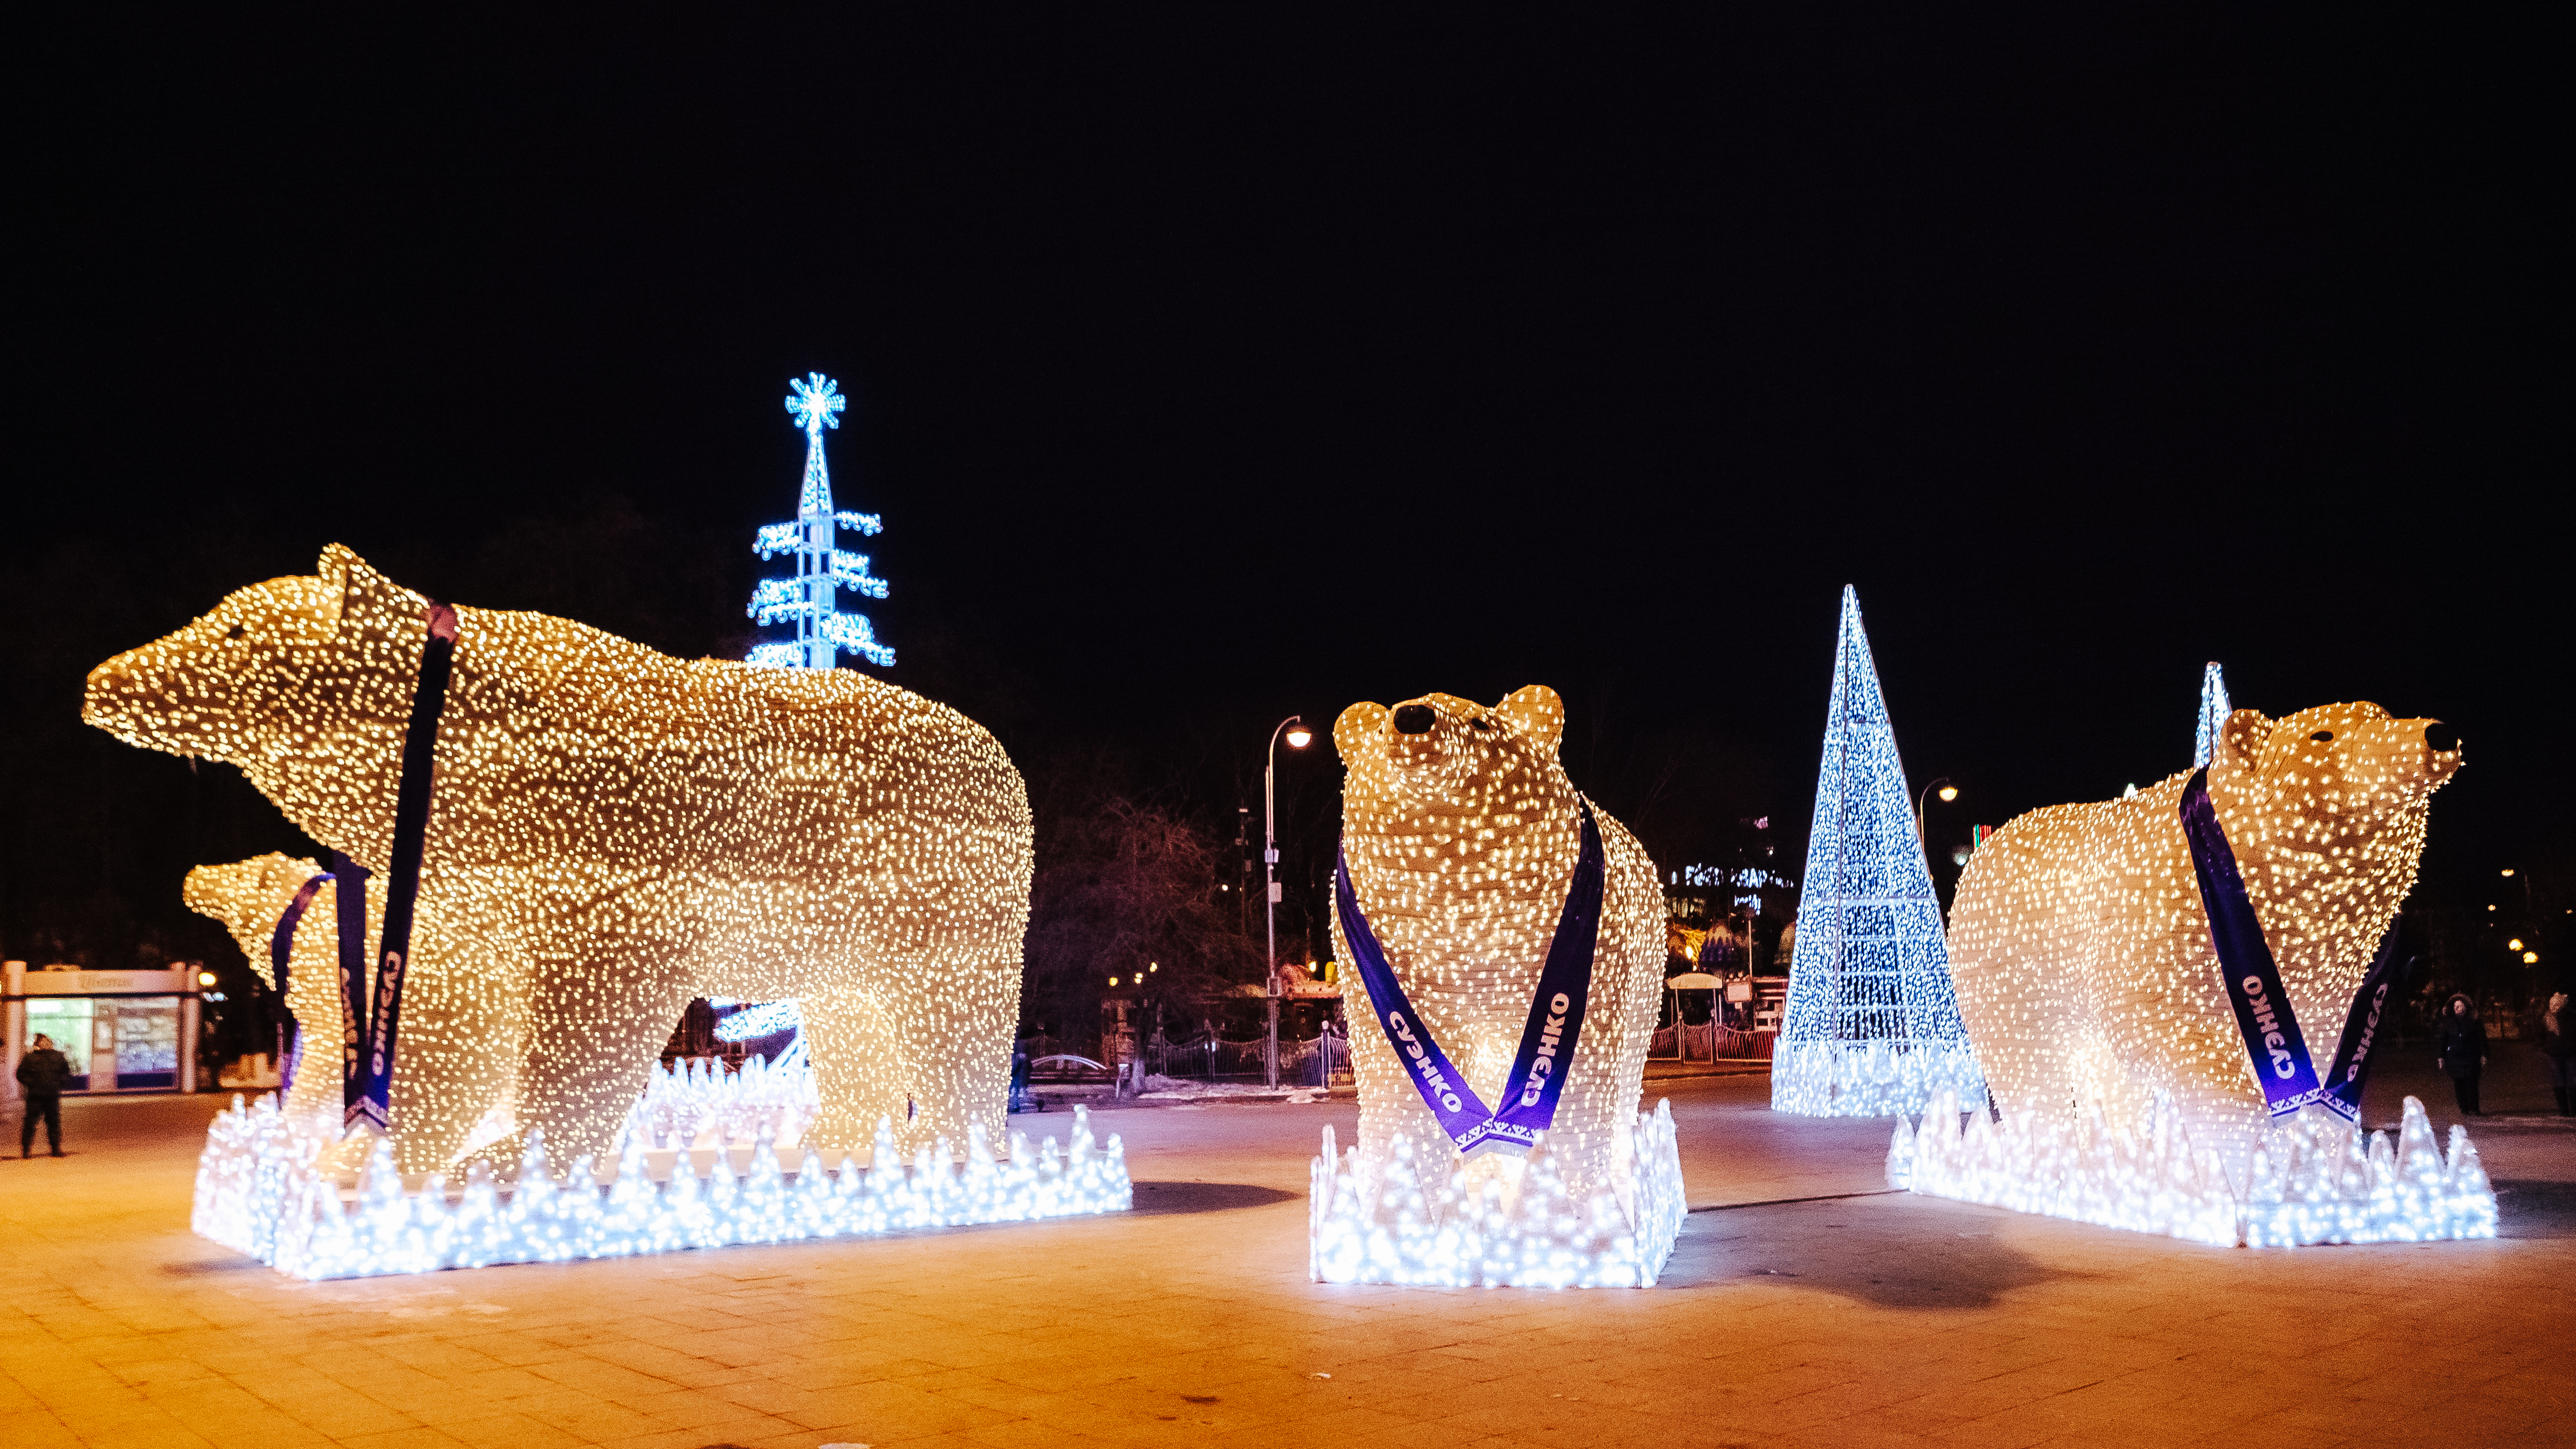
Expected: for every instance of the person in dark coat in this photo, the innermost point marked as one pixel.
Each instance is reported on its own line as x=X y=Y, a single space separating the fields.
x=41 y=1074
x=2460 y=1050
x=2558 y=1045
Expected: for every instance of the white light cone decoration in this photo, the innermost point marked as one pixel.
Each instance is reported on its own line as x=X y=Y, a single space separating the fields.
x=1462 y=834
x=2312 y=1178
x=1381 y=1222
x=262 y=1189
x=1872 y=1027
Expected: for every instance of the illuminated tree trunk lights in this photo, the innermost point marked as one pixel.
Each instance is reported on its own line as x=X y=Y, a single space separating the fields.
x=808 y=600
x=1872 y=1028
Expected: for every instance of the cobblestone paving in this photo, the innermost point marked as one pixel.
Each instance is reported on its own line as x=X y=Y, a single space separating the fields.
x=1842 y=1319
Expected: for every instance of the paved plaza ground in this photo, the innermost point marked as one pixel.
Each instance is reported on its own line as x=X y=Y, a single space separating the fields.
x=1846 y=1316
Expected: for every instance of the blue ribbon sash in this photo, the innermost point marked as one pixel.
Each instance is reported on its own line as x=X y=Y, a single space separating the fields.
x=350 y=899
x=1537 y=1077
x=2351 y=1070
x=367 y=1092
x=2253 y=981
x=281 y=945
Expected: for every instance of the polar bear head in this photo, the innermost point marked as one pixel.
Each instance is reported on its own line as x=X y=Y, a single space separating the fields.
x=2326 y=811
x=304 y=682
x=1462 y=812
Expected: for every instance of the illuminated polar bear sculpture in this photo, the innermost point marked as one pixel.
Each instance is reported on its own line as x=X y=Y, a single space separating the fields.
x=1461 y=832
x=613 y=832
x=2081 y=951
x=249 y=897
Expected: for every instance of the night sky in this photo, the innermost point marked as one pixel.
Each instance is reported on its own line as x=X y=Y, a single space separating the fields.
x=1207 y=371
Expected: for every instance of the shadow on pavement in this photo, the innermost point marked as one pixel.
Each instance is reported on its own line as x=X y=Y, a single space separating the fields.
x=1858 y=1250
x=2528 y=1209
x=1205 y=1197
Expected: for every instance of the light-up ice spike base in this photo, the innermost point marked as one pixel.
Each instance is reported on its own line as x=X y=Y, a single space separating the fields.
x=1874 y=1078
x=262 y=1189
x=2312 y=1179
x=1379 y=1222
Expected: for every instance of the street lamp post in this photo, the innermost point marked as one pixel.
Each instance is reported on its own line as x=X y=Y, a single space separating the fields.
x=1294 y=726
x=1948 y=792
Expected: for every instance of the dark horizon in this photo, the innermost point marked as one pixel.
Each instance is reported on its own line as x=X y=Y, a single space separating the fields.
x=1206 y=373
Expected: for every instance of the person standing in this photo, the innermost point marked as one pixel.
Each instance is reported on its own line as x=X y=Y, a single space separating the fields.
x=41 y=1074
x=2460 y=1050
x=2558 y=1045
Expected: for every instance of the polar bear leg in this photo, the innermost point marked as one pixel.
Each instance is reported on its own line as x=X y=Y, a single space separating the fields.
x=596 y=1028
x=858 y=1076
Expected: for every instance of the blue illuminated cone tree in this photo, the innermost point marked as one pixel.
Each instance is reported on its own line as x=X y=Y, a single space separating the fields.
x=1872 y=1026
x=809 y=600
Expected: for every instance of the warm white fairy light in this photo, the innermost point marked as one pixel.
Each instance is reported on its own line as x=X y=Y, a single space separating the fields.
x=2310 y=1179
x=264 y=1189
x=1460 y=828
x=2082 y=949
x=613 y=833
x=1871 y=1027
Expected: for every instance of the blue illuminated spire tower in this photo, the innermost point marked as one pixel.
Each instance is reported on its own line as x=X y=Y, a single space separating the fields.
x=822 y=570
x=1873 y=1026
x=2214 y=710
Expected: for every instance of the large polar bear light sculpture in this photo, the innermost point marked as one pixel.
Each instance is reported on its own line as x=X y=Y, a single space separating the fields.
x=611 y=833
x=2081 y=949
x=1461 y=836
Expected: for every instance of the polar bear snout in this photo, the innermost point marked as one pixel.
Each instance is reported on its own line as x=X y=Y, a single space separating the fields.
x=1415 y=719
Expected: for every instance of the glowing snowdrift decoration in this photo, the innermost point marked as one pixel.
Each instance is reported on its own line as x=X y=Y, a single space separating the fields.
x=2311 y=1178
x=1877 y=1078
x=1381 y=1223
x=262 y=1190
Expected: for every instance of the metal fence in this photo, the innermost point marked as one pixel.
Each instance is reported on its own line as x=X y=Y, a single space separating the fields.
x=1710 y=1042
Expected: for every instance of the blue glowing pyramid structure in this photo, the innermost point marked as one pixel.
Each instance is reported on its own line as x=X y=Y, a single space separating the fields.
x=823 y=569
x=1873 y=1026
x=2213 y=715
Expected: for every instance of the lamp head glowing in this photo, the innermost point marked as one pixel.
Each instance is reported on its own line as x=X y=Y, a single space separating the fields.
x=1298 y=735
x=2514 y=945
x=2508 y=870
x=1949 y=792
x=207 y=978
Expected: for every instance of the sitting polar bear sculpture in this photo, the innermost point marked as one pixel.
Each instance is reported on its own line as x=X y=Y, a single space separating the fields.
x=1461 y=836
x=611 y=833
x=2081 y=948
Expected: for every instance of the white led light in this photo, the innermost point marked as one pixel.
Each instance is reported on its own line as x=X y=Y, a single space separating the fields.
x=263 y=1189
x=1871 y=1027
x=2310 y=1179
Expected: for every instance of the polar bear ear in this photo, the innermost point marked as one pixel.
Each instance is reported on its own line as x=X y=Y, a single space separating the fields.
x=1535 y=711
x=1358 y=725
x=367 y=598
x=2240 y=743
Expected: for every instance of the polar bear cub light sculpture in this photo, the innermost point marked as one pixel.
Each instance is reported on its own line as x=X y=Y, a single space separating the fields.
x=1461 y=835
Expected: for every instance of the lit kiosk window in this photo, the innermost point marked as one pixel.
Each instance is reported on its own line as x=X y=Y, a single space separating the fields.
x=122 y=1031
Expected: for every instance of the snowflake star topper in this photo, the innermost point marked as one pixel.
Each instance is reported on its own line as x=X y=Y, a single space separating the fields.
x=813 y=402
